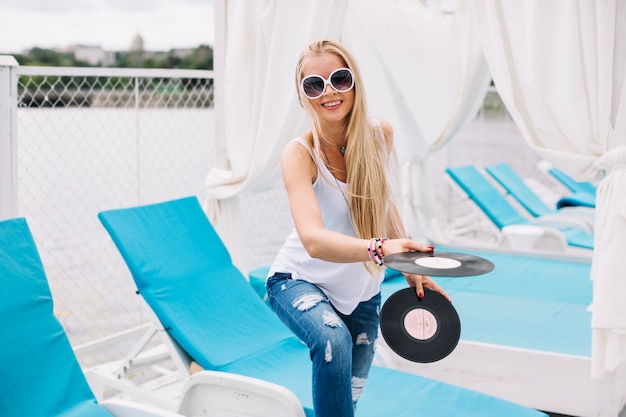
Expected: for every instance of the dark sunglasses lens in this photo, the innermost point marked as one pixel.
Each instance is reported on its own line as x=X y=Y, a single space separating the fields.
x=313 y=86
x=341 y=80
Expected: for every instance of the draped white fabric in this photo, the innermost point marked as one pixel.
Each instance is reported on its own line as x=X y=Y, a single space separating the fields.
x=424 y=73
x=559 y=67
x=258 y=107
x=262 y=42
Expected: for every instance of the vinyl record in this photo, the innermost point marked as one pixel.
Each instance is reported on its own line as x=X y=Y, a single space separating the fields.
x=441 y=264
x=421 y=330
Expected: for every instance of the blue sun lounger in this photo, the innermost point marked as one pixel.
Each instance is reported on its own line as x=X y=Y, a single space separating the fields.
x=40 y=374
x=502 y=214
x=185 y=274
x=571 y=184
x=514 y=185
x=583 y=193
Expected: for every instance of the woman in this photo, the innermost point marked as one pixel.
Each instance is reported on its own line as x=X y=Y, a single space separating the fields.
x=325 y=281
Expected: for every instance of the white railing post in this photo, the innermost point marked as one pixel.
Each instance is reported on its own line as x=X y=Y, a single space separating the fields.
x=219 y=68
x=8 y=137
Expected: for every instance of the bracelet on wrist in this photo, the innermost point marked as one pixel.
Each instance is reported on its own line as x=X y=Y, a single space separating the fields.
x=375 y=250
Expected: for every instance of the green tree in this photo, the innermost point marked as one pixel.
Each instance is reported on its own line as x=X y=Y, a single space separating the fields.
x=49 y=57
x=199 y=58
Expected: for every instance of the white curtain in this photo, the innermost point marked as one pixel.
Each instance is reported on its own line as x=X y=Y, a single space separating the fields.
x=425 y=73
x=559 y=67
x=263 y=40
x=257 y=109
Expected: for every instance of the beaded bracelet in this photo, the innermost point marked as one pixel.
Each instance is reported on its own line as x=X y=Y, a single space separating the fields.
x=375 y=250
x=379 y=249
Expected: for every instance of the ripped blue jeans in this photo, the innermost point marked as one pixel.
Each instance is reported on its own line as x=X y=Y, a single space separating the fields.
x=341 y=346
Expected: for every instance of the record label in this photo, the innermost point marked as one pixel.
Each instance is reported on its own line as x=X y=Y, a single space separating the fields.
x=420 y=329
x=420 y=324
x=442 y=264
x=438 y=262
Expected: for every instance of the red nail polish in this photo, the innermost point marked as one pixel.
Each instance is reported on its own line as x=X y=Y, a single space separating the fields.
x=431 y=247
x=420 y=294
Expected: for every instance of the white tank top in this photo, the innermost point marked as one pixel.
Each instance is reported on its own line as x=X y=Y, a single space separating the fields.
x=345 y=284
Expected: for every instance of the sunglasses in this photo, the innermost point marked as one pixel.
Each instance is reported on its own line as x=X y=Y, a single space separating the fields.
x=341 y=80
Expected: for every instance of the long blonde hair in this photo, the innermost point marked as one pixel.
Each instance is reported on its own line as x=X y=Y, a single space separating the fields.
x=365 y=155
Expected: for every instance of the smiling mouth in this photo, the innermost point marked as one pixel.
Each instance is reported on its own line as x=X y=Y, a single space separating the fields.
x=332 y=103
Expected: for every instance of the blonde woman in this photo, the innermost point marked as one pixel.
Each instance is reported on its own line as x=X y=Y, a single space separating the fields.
x=325 y=281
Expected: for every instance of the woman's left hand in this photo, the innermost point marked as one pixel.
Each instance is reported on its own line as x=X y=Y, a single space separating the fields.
x=419 y=282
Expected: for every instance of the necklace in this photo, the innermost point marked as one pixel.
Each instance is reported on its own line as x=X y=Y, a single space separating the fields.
x=335 y=178
x=342 y=148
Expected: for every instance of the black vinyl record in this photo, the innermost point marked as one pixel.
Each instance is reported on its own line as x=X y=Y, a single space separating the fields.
x=441 y=264
x=420 y=329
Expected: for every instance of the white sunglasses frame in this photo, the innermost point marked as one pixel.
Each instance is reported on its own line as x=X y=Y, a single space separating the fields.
x=326 y=83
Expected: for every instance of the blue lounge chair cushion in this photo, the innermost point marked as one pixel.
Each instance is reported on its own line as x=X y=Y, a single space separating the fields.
x=579 y=199
x=578 y=237
x=40 y=373
x=499 y=210
x=516 y=187
x=486 y=196
x=573 y=185
x=583 y=192
x=181 y=269
x=507 y=178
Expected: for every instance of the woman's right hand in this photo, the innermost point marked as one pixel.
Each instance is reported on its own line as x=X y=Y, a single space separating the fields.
x=404 y=245
x=419 y=282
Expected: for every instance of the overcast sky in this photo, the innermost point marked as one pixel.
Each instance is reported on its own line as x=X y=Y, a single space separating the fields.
x=112 y=24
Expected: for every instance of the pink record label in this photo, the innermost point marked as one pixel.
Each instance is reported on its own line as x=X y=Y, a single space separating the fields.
x=420 y=323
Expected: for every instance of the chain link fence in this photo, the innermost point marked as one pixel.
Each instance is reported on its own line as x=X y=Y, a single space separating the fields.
x=93 y=139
